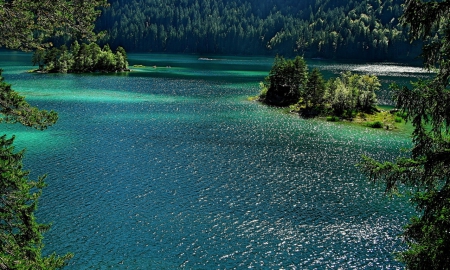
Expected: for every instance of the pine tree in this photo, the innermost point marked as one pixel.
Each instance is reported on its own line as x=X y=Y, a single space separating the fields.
x=315 y=89
x=26 y=25
x=286 y=81
x=427 y=170
x=20 y=234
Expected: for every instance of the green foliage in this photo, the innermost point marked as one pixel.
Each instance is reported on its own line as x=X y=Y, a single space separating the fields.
x=84 y=58
x=262 y=91
x=20 y=233
x=352 y=92
x=315 y=89
x=286 y=81
x=402 y=115
x=333 y=118
x=290 y=83
x=367 y=85
x=14 y=109
x=27 y=25
x=312 y=28
x=427 y=171
x=431 y=229
x=39 y=57
x=342 y=100
x=376 y=124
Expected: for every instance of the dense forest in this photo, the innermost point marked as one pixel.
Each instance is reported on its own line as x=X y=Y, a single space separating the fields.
x=366 y=29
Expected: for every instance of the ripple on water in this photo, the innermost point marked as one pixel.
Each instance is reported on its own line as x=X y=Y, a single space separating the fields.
x=203 y=179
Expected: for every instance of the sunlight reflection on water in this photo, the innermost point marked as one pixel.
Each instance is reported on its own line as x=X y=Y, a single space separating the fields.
x=203 y=178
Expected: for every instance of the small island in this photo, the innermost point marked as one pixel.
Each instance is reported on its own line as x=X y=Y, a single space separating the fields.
x=349 y=97
x=82 y=58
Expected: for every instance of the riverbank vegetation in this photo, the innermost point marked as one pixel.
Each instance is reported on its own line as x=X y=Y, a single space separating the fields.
x=347 y=97
x=312 y=28
x=80 y=59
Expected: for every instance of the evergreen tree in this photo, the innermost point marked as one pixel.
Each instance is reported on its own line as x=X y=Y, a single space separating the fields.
x=289 y=83
x=26 y=25
x=300 y=74
x=14 y=109
x=38 y=58
x=346 y=29
x=20 y=233
x=286 y=81
x=314 y=90
x=427 y=170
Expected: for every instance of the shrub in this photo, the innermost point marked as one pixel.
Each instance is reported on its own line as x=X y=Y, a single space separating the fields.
x=332 y=119
x=401 y=114
x=349 y=114
x=376 y=124
x=263 y=90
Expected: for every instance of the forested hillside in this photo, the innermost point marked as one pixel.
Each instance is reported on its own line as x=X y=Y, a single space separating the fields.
x=314 y=28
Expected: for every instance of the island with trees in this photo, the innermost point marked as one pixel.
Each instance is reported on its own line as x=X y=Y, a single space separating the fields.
x=80 y=59
x=349 y=96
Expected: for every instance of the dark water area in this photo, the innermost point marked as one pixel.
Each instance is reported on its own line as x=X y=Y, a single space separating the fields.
x=173 y=168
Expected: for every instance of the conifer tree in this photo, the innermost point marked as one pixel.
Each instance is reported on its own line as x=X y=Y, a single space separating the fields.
x=315 y=89
x=20 y=234
x=286 y=81
x=427 y=170
x=26 y=25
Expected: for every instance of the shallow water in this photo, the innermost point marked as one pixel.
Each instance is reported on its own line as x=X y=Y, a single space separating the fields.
x=171 y=167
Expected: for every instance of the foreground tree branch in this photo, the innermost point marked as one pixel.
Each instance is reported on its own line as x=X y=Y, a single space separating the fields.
x=15 y=109
x=427 y=170
x=26 y=25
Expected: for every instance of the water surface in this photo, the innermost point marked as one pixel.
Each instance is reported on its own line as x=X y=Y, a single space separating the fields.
x=172 y=167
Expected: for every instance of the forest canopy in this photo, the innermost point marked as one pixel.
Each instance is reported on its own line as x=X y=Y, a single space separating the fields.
x=312 y=28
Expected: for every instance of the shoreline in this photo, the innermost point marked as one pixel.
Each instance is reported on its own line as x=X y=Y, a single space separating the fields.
x=384 y=119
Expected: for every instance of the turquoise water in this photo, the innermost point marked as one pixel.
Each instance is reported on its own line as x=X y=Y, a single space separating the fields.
x=172 y=168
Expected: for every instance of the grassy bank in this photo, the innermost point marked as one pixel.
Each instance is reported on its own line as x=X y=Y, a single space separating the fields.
x=384 y=118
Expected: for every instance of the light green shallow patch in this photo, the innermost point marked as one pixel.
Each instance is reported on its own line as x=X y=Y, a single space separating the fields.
x=173 y=71
x=99 y=96
x=37 y=141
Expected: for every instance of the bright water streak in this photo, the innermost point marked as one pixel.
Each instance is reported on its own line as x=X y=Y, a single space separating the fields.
x=171 y=167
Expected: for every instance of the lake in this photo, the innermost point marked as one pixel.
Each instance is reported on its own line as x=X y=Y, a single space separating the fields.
x=173 y=168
